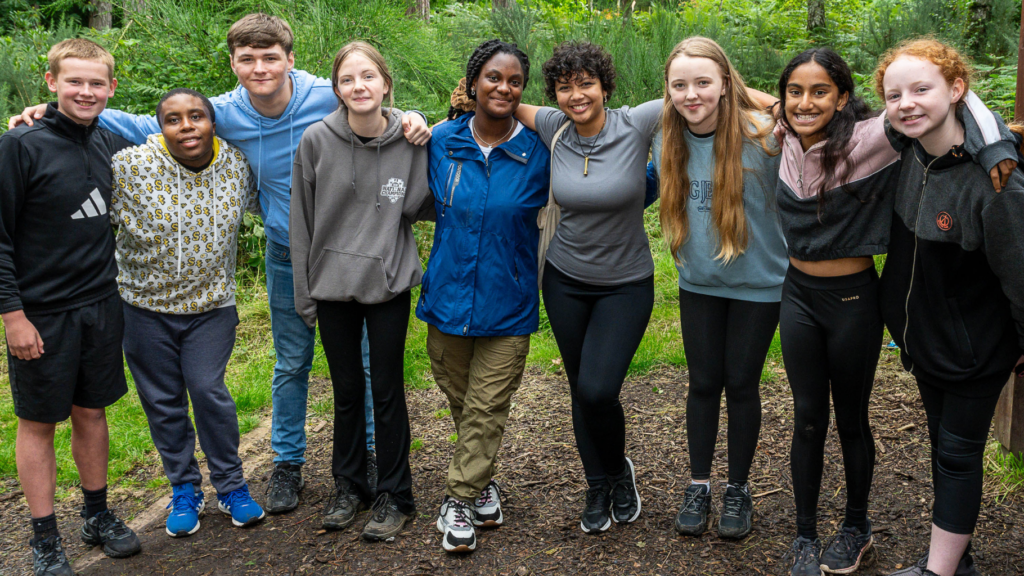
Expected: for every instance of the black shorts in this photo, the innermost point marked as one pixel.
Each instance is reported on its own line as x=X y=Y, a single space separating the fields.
x=81 y=364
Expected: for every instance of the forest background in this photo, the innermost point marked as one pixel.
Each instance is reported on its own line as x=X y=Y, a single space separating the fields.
x=165 y=44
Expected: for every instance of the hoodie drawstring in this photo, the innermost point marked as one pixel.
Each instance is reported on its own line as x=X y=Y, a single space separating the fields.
x=213 y=204
x=178 y=212
x=377 y=196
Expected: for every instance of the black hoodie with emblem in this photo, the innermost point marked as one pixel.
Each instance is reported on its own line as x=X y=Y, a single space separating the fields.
x=56 y=242
x=952 y=292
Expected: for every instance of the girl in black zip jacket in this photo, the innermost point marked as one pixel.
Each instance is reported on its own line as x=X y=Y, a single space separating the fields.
x=952 y=291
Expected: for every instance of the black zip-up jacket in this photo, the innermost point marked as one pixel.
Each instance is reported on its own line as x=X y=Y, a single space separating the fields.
x=56 y=242
x=952 y=292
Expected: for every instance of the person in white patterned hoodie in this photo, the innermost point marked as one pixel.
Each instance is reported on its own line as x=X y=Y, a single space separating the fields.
x=179 y=200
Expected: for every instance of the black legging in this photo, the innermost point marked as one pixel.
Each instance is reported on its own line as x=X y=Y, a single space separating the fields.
x=598 y=329
x=958 y=429
x=726 y=342
x=341 y=331
x=831 y=332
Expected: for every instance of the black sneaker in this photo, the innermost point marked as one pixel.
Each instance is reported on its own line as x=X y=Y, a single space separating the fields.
x=107 y=530
x=846 y=550
x=48 y=557
x=737 y=510
x=343 y=506
x=625 y=496
x=596 y=518
x=371 y=471
x=385 y=521
x=806 y=556
x=692 y=519
x=283 y=491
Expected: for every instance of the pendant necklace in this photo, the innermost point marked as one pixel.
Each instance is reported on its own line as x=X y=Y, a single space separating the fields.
x=586 y=154
x=476 y=134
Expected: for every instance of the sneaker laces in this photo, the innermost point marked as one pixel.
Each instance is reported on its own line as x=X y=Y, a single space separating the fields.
x=182 y=502
x=732 y=505
x=485 y=497
x=597 y=498
x=236 y=496
x=283 y=477
x=50 y=551
x=379 y=511
x=106 y=522
x=803 y=551
x=460 y=510
x=693 y=500
x=845 y=542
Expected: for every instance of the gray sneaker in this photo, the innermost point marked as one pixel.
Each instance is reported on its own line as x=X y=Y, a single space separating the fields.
x=805 y=554
x=385 y=521
x=692 y=518
x=737 y=512
x=343 y=506
x=107 y=530
x=48 y=557
x=846 y=550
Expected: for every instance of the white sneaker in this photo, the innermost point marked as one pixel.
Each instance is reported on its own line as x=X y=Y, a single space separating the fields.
x=488 y=507
x=455 y=522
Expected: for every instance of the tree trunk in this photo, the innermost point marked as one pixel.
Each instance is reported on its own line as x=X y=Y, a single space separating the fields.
x=980 y=13
x=502 y=3
x=419 y=9
x=815 y=14
x=101 y=16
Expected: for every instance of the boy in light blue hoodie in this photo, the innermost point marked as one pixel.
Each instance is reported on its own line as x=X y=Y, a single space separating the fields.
x=265 y=117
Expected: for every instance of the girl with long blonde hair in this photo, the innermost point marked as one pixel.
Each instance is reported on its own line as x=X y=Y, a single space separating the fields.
x=717 y=163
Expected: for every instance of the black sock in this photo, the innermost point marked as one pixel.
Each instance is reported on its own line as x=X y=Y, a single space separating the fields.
x=95 y=501
x=857 y=519
x=45 y=527
x=807 y=527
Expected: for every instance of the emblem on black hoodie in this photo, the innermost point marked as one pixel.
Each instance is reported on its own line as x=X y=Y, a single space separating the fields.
x=394 y=190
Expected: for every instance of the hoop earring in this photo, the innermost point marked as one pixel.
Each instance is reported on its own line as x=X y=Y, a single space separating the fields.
x=472 y=93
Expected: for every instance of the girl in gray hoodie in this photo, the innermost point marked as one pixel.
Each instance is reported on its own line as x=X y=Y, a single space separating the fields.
x=357 y=187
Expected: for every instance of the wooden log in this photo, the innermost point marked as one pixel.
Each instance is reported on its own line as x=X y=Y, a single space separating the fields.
x=1009 y=419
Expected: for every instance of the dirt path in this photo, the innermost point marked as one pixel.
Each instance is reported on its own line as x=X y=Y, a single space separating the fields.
x=543 y=479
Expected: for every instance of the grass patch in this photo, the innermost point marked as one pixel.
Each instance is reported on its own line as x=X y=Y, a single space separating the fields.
x=1005 y=468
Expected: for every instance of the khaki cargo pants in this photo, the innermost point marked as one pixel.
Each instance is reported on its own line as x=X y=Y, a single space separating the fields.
x=478 y=375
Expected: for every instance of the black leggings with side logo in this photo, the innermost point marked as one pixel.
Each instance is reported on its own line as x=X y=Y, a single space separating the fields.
x=831 y=334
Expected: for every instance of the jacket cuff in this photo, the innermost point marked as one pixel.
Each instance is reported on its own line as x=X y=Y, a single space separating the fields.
x=12 y=304
x=422 y=115
x=993 y=154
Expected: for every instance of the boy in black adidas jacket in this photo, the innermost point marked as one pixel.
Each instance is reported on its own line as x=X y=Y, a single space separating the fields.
x=58 y=296
x=952 y=292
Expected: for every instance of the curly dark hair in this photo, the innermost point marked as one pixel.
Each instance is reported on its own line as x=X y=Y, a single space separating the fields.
x=571 y=58
x=480 y=56
x=839 y=129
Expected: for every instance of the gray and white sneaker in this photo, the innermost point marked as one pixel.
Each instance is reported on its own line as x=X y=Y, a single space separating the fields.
x=625 y=497
x=456 y=523
x=487 y=507
x=48 y=557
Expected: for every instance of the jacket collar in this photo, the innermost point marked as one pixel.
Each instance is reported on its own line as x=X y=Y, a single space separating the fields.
x=460 y=142
x=66 y=127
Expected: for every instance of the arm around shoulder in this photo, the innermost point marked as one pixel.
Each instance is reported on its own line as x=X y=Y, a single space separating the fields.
x=1002 y=221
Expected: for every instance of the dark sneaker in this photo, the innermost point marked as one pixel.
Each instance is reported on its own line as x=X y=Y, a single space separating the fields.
x=487 y=508
x=596 y=517
x=48 y=557
x=371 y=471
x=737 y=510
x=385 y=521
x=846 y=550
x=283 y=491
x=455 y=522
x=107 y=530
x=806 y=556
x=692 y=519
x=964 y=568
x=343 y=506
x=625 y=496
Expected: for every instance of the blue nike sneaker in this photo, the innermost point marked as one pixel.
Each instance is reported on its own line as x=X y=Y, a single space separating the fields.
x=239 y=504
x=186 y=507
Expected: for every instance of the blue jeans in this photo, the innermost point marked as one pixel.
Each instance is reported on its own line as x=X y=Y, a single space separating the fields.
x=294 y=344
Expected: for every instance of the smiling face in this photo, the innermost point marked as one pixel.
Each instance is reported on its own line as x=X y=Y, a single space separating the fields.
x=581 y=98
x=812 y=98
x=262 y=71
x=918 y=100
x=187 y=130
x=696 y=87
x=82 y=88
x=499 y=87
x=360 y=85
